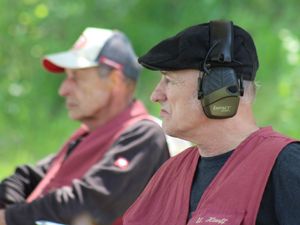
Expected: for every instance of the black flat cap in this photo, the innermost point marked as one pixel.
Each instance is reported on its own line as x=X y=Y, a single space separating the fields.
x=188 y=49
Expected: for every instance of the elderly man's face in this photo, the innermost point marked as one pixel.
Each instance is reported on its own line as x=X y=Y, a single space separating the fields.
x=86 y=93
x=181 y=111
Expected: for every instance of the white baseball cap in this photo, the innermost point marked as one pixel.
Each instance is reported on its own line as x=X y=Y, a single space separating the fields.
x=94 y=47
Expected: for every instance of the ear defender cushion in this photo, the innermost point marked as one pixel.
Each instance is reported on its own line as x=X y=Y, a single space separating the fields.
x=219 y=93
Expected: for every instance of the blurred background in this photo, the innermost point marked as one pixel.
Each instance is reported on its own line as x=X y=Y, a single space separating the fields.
x=33 y=117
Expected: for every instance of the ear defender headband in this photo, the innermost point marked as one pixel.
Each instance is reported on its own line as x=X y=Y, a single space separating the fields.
x=220 y=88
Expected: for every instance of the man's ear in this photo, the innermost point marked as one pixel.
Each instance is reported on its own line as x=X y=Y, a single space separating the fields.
x=116 y=77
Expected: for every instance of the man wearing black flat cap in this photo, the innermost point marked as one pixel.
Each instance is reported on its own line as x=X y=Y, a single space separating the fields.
x=238 y=173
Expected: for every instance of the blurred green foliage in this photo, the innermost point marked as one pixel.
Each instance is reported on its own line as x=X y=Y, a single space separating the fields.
x=33 y=118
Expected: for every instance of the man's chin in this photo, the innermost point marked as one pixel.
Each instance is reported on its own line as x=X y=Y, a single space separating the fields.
x=169 y=130
x=74 y=116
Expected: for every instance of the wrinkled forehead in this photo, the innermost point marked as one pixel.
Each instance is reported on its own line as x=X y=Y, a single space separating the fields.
x=182 y=74
x=83 y=70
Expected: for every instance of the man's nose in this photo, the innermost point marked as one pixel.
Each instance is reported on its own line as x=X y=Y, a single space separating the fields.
x=66 y=85
x=64 y=88
x=158 y=94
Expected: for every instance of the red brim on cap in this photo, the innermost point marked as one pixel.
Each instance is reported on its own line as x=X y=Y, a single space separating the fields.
x=52 y=67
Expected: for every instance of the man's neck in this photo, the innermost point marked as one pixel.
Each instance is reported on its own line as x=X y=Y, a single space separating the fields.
x=104 y=117
x=224 y=141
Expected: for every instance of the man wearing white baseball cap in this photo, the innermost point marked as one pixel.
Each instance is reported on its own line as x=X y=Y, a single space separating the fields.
x=106 y=163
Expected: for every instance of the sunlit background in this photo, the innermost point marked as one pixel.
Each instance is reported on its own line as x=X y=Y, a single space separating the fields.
x=33 y=118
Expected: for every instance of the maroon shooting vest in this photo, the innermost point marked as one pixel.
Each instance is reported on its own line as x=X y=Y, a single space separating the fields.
x=232 y=198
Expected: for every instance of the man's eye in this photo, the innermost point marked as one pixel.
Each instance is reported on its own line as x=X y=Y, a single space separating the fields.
x=168 y=80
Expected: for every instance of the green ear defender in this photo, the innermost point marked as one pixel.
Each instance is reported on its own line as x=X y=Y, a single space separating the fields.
x=220 y=88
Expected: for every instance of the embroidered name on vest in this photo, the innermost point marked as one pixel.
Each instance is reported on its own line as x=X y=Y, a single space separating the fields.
x=212 y=219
